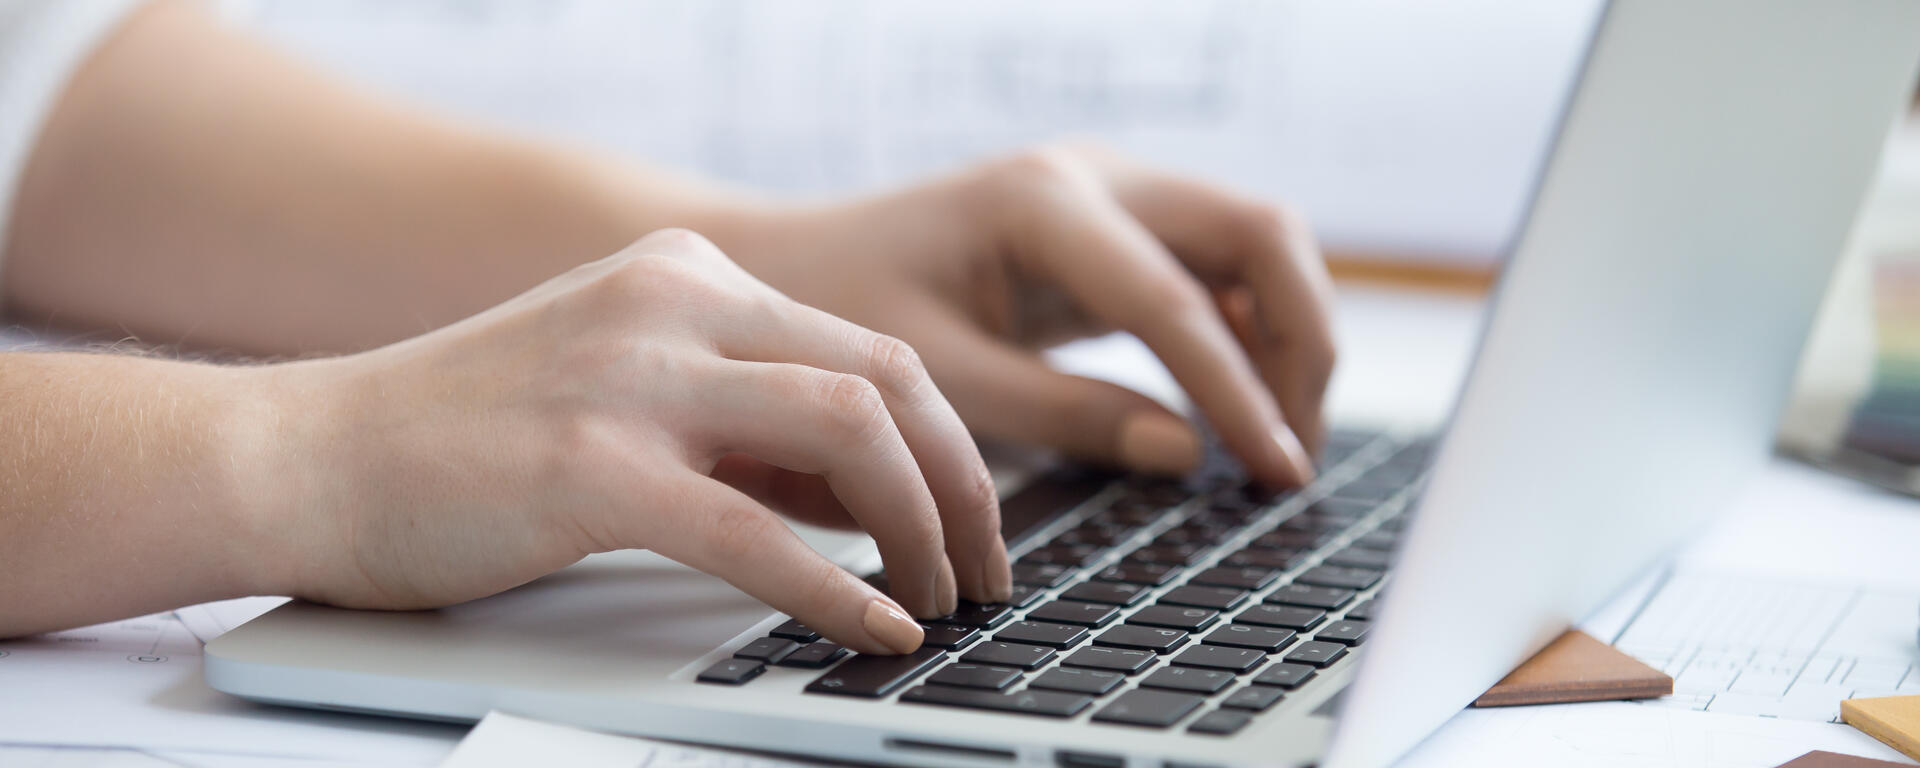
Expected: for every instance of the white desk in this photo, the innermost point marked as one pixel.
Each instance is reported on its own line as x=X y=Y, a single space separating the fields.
x=1390 y=340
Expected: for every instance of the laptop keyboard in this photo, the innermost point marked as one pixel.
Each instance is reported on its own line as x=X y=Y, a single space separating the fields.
x=1150 y=602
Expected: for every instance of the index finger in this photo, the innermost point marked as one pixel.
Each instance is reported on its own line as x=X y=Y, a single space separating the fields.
x=1270 y=249
x=1083 y=239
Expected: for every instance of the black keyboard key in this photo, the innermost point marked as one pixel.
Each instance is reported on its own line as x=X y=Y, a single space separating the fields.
x=1311 y=596
x=1110 y=593
x=1075 y=612
x=1295 y=540
x=1216 y=598
x=875 y=676
x=1235 y=578
x=1024 y=595
x=1232 y=660
x=732 y=671
x=1307 y=522
x=1221 y=722
x=1008 y=654
x=951 y=637
x=1146 y=574
x=1341 y=509
x=1338 y=576
x=1110 y=659
x=768 y=649
x=1168 y=554
x=1127 y=515
x=1069 y=555
x=1140 y=638
x=1263 y=639
x=1092 y=682
x=1356 y=557
x=1347 y=632
x=1192 y=533
x=1277 y=559
x=1183 y=618
x=814 y=655
x=1042 y=633
x=795 y=631
x=1226 y=522
x=1253 y=698
x=1284 y=616
x=966 y=675
x=1363 y=611
x=1153 y=709
x=1190 y=680
x=1041 y=575
x=1027 y=702
x=1317 y=653
x=1159 y=492
x=1383 y=540
x=1284 y=675
x=1092 y=536
x=973 y=614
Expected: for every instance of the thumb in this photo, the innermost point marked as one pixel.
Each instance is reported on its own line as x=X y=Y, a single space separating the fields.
x=1012 y=394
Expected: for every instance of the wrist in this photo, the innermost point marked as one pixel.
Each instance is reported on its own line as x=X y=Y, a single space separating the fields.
x=283 y=435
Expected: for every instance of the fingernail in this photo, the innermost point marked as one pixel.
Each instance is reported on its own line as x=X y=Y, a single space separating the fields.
x=946 y=593
x=1293 y=453
x=999 y=576
x=892 y=628
x=1158 y=443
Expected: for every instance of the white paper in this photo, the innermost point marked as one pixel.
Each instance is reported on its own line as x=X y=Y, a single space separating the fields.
x=137 y=683
x=210 y=620
x=1806 y=568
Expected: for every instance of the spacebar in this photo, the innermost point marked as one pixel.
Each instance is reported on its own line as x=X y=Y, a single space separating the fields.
x=1049 y=703
x=875 y=676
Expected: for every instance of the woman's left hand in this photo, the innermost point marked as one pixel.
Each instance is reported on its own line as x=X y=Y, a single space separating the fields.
x=979 y=270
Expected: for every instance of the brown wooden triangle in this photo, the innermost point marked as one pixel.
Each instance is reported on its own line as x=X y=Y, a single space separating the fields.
x=1577 y=667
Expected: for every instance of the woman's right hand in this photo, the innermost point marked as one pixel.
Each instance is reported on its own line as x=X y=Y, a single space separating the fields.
x=661 y=398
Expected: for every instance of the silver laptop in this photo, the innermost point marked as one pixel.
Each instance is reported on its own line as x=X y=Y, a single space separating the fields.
x=1706 y=171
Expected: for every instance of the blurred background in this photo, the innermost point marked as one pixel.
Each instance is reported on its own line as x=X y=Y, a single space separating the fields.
x=1409 y=132
x=1406 y=130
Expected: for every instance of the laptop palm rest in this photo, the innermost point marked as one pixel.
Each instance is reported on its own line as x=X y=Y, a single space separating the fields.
x=611 y=624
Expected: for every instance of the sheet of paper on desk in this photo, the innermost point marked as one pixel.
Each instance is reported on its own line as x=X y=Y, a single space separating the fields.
x=1803 y=594
x=507 y=741
x=137 y=683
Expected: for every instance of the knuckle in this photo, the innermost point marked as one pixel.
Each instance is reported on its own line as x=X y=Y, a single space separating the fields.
x=1045 y=167
x=657 y=280
x=982 y=499
x=853 y=406
x=822 y=585
x=1270 y=220
x=894 y=363
x=735 y=532
x=927 y=534
x=674 y=242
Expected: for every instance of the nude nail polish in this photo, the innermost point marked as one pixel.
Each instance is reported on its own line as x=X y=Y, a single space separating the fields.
x=892 y=627
x=1293 y=453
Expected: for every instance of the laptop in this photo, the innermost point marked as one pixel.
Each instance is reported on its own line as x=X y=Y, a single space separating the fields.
x=1705 y=173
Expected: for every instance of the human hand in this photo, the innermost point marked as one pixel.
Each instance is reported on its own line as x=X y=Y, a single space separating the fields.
x=661 y=398
x=979 y=269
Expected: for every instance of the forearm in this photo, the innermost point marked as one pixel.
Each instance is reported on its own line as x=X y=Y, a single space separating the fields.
x=130 y=485
x=197 y=186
